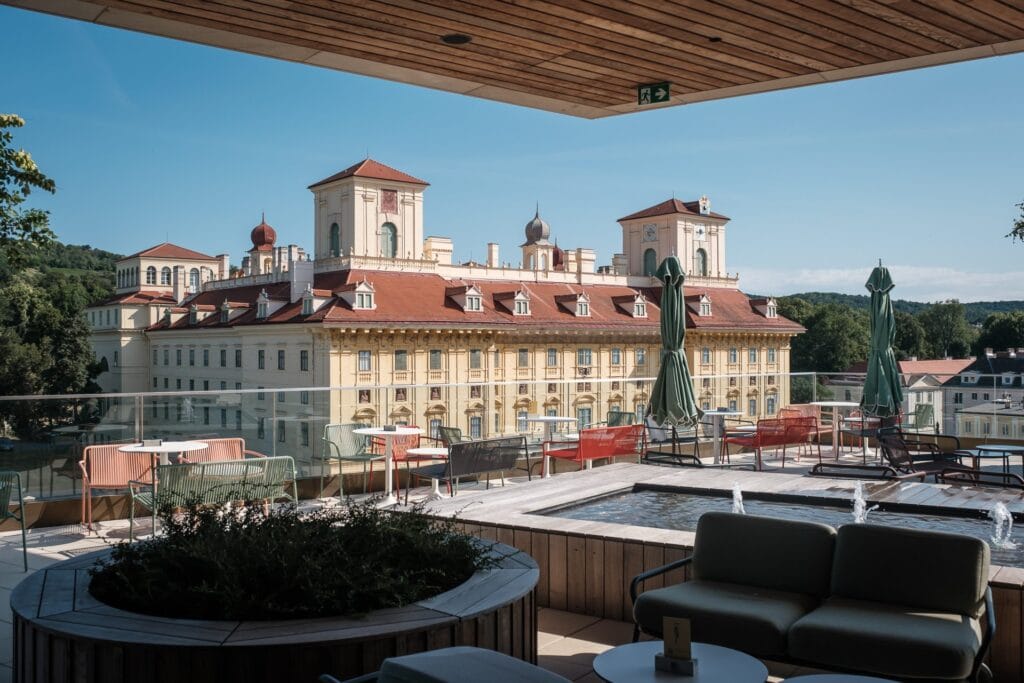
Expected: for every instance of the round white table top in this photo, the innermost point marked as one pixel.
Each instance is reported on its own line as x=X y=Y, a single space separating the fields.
x=380 y=431
x=166 y=447
x=744 y=428
x=720 y=411
x=634 y=663
x=549 y=418
x=1001 y=447
x=835 y=404
x=429 y=451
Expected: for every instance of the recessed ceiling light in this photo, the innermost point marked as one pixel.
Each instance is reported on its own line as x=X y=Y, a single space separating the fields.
x=455 y=39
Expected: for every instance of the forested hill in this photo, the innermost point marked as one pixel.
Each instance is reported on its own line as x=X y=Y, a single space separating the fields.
x=92 y=269
x=976 y=311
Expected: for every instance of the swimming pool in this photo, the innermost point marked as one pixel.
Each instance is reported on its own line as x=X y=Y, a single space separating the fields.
x=676 y=510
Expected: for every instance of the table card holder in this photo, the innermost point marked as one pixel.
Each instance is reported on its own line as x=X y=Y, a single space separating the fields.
x=152 y=442
x=676 y=659
x=390 y=428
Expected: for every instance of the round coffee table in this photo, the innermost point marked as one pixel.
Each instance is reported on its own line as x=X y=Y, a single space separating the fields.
x=634 y=663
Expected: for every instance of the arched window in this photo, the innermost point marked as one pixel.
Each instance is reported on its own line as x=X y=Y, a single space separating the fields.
x=388 y=240
x=151 y=275
x=335 y=240
x=266 y=265
x=120 y=279
x=193 y=279
x=700 y=263
x=543 y=261
x=165 y=276
x=650 y=262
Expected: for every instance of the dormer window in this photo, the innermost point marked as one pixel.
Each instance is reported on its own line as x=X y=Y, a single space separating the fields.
x=193 y=314
x=364 y=300
x=970 y=378
x=307 y=305
x=522 y=303
x=583 y=306
x=474 y=302
x=640 y=307
x=704 y=309
x=262 y=305
x=773 y=310
x=358 y=295
x=225 y=311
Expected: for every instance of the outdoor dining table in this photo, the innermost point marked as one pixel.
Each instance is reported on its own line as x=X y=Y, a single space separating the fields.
x=1007 y=450
x=836 y=406
x=863 y=424
x=432 y=453
x=389 y=457
x=549 y=422
x=165 y=449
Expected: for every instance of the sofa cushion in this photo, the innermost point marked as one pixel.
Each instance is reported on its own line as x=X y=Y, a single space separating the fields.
x=462 y=665
x=931 y=570
x=887 y=639
x=760 y=551
x=747 y=618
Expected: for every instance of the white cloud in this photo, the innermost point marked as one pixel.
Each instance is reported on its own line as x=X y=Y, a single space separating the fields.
x=916 y=283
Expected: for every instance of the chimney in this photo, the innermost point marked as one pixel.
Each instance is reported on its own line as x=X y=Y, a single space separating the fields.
x=913 y=359
x=492 y=255
x=179 y=283
x=246 y=265
x=585 y=259
x=620 y=264
x=224 y=271
x=300 y=276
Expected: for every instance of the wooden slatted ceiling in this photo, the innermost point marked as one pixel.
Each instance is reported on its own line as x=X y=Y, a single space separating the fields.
x=579 y=57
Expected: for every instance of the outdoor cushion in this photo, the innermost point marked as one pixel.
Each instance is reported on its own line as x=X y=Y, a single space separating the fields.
x=462 y=665
x=754 y=620
x=887 y=639
x=930 y=570
x=761 y=551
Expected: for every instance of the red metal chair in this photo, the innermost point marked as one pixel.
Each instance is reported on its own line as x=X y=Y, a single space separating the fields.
x=771 y=432
x=104 y=467
x=597 y=443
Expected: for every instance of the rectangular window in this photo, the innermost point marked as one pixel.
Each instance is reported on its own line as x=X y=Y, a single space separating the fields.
x=474 y=391
x=732 y=404
x=752 y=407
x=261 y=428
x=155 y=356
x=154 y=383
x=521 y=424
x=177 y=384
x=497 y=358
x=177 y=357
x=974 y=396
x=705 y=355
x=224 y=418
x=583 y=357
x=553 y=388
x=476 y=358
x=771 y=355
x=401 y=360
x=641 y=356
x=280 y=431
x=206 y=415
x=166 y=383
x=223 y=386
x=616 y=356
x=116 y=359
x=751 y=355
x=280 y=359
x=280 y=397
x=304 y=360
x=400 y=394
x=259 y=394
x=476 y=426
x=223 y=358
x=238 y=420
x=364 y=361
x=206 y=385
x=958 y=397
x=364 y=395
x=261 y=359
x=769 y=404
x=238 y=358
x=167 y=357
x=238 y=385
x=304 y=433
x=435 y=359
x=191 y=356
x=552 y=357
x=734 y=355
x=584 y=416
x=304 y=398
x=434 y=429
x=191 y=385
x=522 y=389
x=524 y=358
x=206 y=357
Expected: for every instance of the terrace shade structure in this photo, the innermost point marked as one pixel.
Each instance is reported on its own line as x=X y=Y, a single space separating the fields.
x=589 y=60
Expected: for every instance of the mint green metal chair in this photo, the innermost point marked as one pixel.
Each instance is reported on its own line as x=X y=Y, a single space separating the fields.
x=9 y=483
x=923 y=418
x=215 y=483
x=341 y=443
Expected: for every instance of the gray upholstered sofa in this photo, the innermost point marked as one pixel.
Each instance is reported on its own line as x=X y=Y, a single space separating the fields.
x=888 y=601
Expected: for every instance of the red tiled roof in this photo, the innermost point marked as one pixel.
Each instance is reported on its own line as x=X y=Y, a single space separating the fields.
x=423 y=299
x=168 y=250
x=368 y=168
x=668 y=207
x=942 y=368
x=140 y=297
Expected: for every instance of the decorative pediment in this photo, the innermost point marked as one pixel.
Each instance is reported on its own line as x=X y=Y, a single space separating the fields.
x=468 y=297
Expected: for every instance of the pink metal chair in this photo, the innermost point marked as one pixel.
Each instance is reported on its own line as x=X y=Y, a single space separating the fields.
x=221 y=449
x=104 y=467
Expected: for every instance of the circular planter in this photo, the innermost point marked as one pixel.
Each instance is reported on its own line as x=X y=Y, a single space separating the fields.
x=63 y=634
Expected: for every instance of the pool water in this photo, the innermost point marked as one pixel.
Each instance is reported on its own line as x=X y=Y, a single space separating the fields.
x=673 y=510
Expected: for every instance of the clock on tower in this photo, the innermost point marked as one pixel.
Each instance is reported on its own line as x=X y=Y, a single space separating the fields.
x=650 y=232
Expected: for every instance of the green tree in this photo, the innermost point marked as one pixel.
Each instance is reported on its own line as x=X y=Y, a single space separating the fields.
x=21 y=230
x=1018 y=225
x=796 y=309
x=1001 y=331
x=947 y=330
x=911 y=339
x=836 y=338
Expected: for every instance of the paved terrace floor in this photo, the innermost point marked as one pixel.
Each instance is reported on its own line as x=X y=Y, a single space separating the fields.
x=568 y=641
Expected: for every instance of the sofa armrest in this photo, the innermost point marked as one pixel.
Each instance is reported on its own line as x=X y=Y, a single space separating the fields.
x=651 y=573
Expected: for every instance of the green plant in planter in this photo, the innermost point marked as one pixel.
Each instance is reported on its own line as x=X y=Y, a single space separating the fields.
x=243 y=563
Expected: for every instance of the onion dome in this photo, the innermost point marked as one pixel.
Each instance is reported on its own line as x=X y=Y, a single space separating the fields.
x=263 y=236
x=537 y=231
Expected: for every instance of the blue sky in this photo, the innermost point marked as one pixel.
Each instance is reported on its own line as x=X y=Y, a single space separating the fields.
x=151 y=139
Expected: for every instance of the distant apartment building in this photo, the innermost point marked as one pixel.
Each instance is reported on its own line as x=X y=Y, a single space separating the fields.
x=382 y=309
x=984 y=399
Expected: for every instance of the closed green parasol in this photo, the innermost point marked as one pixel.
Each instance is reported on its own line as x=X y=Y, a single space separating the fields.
x=672 y=401
x=883 y=393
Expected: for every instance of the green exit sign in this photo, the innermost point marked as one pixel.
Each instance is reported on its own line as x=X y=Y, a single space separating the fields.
x=652 y=93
